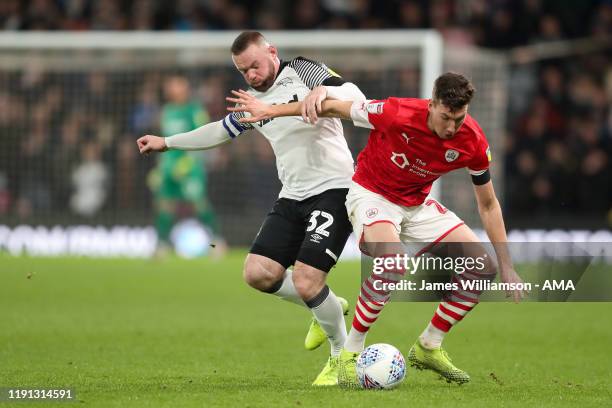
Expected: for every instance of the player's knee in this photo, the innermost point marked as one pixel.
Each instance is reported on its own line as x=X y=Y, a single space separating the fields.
x=258 y=276
x=308 y=281
x=490 y=267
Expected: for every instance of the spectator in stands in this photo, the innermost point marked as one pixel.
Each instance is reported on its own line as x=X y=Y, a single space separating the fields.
x=90 y=181
x=559 y=117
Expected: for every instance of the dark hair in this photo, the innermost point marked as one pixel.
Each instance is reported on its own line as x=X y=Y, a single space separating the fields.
x=245 y=39
x=453 y=90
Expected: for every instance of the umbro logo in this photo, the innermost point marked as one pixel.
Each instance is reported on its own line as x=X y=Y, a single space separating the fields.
x=316 y=238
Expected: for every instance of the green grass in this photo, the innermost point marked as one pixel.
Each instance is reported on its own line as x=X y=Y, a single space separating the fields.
x=191 y=333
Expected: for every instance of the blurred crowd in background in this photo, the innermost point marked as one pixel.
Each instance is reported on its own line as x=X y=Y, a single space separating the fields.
x=74 y=135
x=491 y=23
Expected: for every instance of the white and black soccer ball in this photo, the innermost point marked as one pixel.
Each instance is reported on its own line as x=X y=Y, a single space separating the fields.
x=380 y=366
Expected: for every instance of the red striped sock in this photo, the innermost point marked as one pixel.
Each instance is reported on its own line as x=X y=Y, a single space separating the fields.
x=370 y=303
x=453 y=308
x=366 y=311
x=450 y=313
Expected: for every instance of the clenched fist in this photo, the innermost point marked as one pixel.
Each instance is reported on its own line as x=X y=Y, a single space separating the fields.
x=151 y=143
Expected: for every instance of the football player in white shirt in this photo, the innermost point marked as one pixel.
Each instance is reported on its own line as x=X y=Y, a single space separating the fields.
x=308 y=225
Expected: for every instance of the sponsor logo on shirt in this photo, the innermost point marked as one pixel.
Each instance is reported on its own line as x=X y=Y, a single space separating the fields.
x=375 y=108
x=417 y=167
x=489 y=153
x=400 y=160
x=266 y=121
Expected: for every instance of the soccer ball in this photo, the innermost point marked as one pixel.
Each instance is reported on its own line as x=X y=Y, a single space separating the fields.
x=380 y=366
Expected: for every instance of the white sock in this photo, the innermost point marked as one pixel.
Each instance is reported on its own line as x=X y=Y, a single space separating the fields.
x=287 y=290
x=355 y=341
x=327 y=310
x=432 y=337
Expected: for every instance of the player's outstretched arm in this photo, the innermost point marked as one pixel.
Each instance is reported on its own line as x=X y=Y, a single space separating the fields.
x=493 y=222
x=205 y=137
x=151 y=143
x=261 y=111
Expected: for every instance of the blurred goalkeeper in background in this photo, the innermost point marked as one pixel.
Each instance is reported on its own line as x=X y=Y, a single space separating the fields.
x=180 y=177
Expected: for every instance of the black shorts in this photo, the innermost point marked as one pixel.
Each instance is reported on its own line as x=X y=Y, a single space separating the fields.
x=312 y=231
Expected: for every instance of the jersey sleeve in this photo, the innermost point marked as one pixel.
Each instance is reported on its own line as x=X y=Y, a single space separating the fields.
x=314 y=73
x=374 y=114
x=482 y=156
x=479 y=165
x=205 y=137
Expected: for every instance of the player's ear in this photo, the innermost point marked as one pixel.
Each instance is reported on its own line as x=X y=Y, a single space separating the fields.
x=273 y=51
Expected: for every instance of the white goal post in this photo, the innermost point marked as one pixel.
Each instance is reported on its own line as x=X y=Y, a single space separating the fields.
x=429 y=42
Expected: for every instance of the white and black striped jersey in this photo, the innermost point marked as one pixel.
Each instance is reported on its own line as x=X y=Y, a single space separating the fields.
x=310 y=159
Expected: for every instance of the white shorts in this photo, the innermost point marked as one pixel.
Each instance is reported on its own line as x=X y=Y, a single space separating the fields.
x=426 y=223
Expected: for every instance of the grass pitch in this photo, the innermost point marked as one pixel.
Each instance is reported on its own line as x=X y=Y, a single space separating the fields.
x=191 y=333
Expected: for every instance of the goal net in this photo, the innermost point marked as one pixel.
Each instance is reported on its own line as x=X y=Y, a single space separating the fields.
x=72 y=106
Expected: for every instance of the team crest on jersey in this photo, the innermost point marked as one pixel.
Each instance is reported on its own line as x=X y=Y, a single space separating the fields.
x=375 y=108
x=285 y=81
x=371 y=212
x=451 y=155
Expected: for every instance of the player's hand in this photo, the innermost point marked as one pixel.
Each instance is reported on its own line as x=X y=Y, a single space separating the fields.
x=311 y=106
x=150 y=143
x=248 y=103
x=509 y=275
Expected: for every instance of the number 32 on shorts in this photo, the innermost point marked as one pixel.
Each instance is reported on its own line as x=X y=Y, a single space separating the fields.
x=328 y=220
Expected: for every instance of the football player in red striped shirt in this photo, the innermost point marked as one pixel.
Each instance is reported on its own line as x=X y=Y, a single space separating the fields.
x=411 y=144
